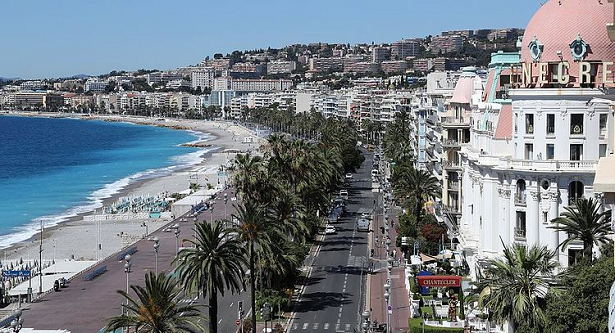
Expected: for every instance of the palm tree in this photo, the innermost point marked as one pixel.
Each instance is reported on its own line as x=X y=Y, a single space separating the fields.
x=156 y=309
x=214 y=264
x=514 y=288
x=249 y=175
x=416 y=185
x=586 y=223
x=256 y=230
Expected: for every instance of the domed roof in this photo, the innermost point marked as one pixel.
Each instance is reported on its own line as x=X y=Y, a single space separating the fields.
x=558 y=23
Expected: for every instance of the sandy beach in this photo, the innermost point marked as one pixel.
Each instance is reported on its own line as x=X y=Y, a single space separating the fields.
x=77 y=237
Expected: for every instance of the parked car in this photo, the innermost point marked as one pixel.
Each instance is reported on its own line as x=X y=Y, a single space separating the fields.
x=348 y=176
x=330 y=230
x=344 y=194
x=363 y=224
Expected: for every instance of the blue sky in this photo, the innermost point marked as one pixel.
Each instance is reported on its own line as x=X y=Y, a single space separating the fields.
x=42 y=38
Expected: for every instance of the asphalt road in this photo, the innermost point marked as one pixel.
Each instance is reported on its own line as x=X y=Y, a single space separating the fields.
x=333 y=296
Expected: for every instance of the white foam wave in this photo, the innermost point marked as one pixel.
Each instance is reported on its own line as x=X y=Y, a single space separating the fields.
x=96 y=198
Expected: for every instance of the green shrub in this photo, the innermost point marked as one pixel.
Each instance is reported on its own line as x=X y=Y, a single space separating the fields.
x=417 y=327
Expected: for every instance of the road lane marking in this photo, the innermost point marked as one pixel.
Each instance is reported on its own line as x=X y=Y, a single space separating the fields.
x=347 y=327
x=219 y=321
x=295 y=326
x=337 y=326
x=315 y=326
x=305 y=325
x=326 y=326
x=231 y=304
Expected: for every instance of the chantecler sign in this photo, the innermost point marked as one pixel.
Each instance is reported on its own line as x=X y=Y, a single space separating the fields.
x=438 y=281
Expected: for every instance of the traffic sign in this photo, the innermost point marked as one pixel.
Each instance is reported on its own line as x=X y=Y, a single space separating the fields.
x=237 y=322
x=15 y=273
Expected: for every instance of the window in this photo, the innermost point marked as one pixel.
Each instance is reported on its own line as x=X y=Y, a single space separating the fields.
x=529 y=151
x=520 y=226
x=529 y=123
x=520 y=192
x=576 y=152
x=516 y=121
x=550 y=151
x=574 y=256
x=576 y=124
x=603 y=118
x=550 y=124
x=575 y=192
x=602 y=150
x=545 y=217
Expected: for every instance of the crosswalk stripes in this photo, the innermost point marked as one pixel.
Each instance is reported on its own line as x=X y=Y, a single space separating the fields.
x=339 y=328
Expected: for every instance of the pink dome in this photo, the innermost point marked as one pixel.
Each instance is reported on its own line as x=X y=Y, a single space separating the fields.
x=558 y=23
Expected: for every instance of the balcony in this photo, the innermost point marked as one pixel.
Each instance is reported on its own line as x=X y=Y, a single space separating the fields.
x=451 y=165
x=455 y=122
x=549 y=165
x=520 y=234
x=451 y=210
x=453 y=185
x=520 y=199
x=448 y=143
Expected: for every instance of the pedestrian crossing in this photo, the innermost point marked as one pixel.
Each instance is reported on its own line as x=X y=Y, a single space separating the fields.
x=322 y=327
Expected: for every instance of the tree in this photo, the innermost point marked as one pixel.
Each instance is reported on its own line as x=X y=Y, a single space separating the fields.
x=583 y=308
x=256 y=231
x=214 y=264
x=586 y=223
x=514 y=288
x=156 y=309
x=415 y=186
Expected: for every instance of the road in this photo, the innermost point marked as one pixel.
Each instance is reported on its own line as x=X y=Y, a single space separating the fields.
x=333 y=295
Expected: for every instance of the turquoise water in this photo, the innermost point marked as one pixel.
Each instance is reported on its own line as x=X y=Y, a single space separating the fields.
x=52 y=169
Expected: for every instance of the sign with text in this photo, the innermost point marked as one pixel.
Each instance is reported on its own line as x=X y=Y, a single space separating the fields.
x=15 y=273
x=438 y=281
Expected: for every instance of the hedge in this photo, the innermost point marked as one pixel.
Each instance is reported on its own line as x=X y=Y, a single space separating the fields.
x=417 y=327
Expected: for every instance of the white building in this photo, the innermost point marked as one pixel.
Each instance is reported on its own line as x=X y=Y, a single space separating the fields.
x=202 y=78
x=527 y=161
x=281 y=67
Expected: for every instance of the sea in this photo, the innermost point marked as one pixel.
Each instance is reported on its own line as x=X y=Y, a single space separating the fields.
x=52 y=169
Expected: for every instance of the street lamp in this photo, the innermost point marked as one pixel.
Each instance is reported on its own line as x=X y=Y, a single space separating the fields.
x=146 y=228
x=156 y=247
x=211 y=211
x=225 y=201
x=387 y=295
x=127 y=266
x=365 y=324
x=17 y=322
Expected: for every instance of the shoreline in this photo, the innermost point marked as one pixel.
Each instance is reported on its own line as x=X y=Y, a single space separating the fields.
x=75 y=237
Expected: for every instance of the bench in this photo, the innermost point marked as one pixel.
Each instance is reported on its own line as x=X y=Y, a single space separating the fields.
x=123 y=255
x=95 y=273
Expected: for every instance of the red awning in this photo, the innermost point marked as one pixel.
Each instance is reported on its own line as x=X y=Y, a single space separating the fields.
x=439 y=281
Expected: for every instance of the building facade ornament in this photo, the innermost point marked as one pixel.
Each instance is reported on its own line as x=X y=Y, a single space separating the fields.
x=535 y=195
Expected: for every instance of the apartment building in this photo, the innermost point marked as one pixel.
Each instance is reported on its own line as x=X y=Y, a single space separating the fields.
x=95 y=86
x=446 y=44
x=380 y=54
x=326 y=64
x=361 y=67
x=251 y=85
x=404 y=48
x=394 y=66
x=32 y=85
x=162 y=77
x=202 y=78
x=281 y=67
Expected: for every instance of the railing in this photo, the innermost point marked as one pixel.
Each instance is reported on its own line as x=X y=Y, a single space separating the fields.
x=520 y=199
x=576 y=129
x=453 y=185
x=549 y=164
x=550 y=129
x=451 y=209
x=572 y=201
x=455 y=121
x=95 y=273
x=451 y=165
x=519 y=233
x=450 y=143
x=529 y=129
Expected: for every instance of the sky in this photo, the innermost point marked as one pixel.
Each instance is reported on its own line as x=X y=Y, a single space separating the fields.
x=61 y=38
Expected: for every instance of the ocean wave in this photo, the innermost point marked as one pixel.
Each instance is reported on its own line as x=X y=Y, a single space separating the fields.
x=96 y=198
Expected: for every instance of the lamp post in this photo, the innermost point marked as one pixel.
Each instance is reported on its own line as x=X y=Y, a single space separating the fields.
x=156 y=247
x=127 y=266
x=196 y=221
x=365 y=324
x=225 y=201
x=146 y=228
x=211 y=212
x=387 y=296
x=17 y=322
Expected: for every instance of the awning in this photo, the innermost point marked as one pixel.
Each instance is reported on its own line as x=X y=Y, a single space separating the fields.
x=605 y=175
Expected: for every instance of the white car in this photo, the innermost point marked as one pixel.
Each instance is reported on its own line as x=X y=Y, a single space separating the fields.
x=348 y=176
x=330 y=230
x=344 y=194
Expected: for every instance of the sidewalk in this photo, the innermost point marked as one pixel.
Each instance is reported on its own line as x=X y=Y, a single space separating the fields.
x=399 y=301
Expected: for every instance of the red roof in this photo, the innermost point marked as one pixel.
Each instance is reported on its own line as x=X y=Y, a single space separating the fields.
x=504 y=128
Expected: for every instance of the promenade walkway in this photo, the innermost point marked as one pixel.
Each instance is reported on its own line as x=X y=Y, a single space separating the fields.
x=85 y=306
x=400 y=303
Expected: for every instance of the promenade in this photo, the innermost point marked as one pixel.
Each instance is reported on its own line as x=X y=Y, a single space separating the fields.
x=399 y=301
x=85 y=306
